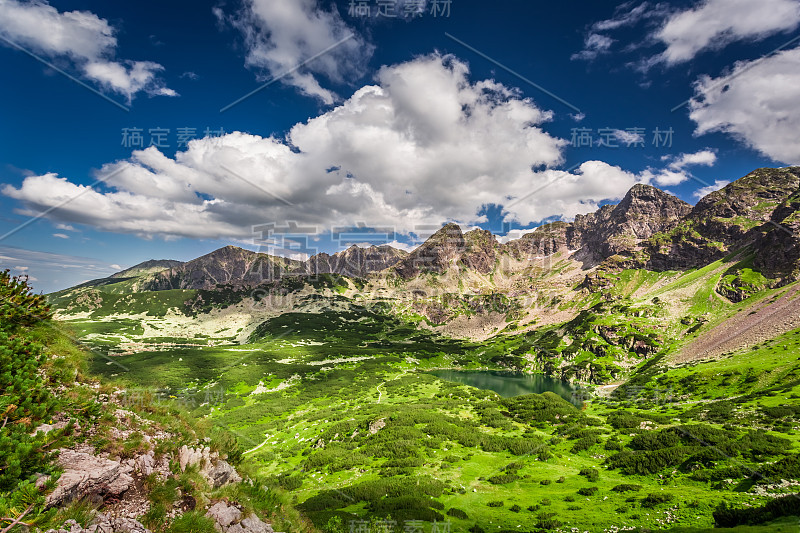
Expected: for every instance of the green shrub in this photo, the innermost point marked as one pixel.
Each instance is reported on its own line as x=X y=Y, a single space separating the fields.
x=656 y=498
x=502 y=479
x=25 y=401
x=626 y=487
x=584 y=443
x=457 y=513
x=729 y=517
x=591 y=474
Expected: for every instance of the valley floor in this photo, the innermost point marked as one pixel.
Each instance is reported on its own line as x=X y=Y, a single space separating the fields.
x=337 y=409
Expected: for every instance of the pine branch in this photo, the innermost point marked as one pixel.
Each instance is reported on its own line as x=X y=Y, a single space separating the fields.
x=17 y=520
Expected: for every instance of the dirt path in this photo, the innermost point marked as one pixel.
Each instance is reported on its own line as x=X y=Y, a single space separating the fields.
x=755 y=324
x=251 y=450
x=378 y=388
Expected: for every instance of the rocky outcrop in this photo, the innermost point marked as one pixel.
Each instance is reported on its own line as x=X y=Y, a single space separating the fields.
x=744 y=213
x=377 y=425
x=88 y=476
x=542 y=242
x=616 y=229
x=609 y=231
x=103 y=524
x=436 y=255
x=216 y=470
x=228 y=519
x=777 y=244
x=481 y=250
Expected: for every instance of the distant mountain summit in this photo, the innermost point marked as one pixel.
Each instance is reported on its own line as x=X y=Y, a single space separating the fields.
x=599 y=294
x=441 y=251
x=147 y=267
x=613 y=229
x=648 y=228
x=227 y=266
x=355 y=261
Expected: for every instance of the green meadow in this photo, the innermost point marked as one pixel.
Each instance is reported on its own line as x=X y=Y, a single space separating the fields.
x=336 y=407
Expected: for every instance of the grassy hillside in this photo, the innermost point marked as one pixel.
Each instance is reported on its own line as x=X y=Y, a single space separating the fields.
x=327 y=390
x=51 y=401
x=337 y=409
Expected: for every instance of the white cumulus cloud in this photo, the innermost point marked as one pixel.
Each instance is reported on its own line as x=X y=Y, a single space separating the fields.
x=83 y=38
x=676 y=171
x=682 y=34
x=756 y=103
x=713 y=24
x=708 y=189
x=421 y=146
x=281 y=35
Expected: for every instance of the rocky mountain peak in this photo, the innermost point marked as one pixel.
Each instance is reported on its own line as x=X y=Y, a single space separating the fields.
x=437 y=254
x=731 y=218
x=147 y=267
x=229 y=265
x=355 y=261
x=617 y=229
x=448 y=233
x=753 y=196
x=481 y=249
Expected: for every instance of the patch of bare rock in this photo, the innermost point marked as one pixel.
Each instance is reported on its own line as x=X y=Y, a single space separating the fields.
x=117 y=486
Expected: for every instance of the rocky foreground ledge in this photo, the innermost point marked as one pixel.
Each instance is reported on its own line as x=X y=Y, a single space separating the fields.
x=227 y=519
x=116 y=486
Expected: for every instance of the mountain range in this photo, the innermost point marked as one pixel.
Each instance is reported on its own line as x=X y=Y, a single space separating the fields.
x=648 y=229
x=654 y=348
x=742 y=238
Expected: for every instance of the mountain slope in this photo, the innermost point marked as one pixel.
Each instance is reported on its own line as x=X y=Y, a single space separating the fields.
x=227 y=266
x=651 y=247
x=148 y=267
x=738 y=215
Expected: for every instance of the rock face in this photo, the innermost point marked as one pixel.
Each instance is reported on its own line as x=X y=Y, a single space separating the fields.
x=611 y=230
x=354 y=262
x=749 y=211
x=481 y=250
x=544 y=241
x=228 y=519
x=441 y=251
x=778 y=248
x=103 y=524
x=217 y=471
x=643 y=212
x=86 y=475
x=377 y=425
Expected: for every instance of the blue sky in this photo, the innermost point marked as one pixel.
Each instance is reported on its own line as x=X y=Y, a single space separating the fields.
x=499 y=115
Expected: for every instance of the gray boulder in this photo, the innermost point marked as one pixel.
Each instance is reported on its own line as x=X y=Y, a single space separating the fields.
x=86 y=475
